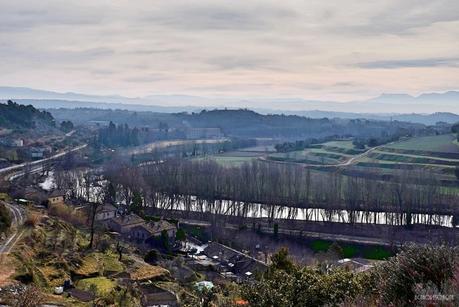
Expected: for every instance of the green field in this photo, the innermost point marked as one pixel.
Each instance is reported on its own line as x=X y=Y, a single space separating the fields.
x=403 y=158
x=232 y=158
x=436 y=143
x=352 y=250
x=326 y=154
x=437 y=154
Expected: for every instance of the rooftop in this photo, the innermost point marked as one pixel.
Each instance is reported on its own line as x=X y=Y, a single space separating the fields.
x=155 y=227
x=126 y=220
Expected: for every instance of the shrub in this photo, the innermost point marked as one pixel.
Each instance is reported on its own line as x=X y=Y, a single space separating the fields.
x=32 y=219
x=152 y=256
x=416 y=266
x=5 y=218
x=68 y=214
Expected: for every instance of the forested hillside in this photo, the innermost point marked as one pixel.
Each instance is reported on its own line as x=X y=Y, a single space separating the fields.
x=246 y=123
x=17 y=116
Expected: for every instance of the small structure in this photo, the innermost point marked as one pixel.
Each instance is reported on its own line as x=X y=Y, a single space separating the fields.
x=56 y=197
x=231 y=260
x=152 y=295
x=17 y=142
x=81 y=295
x=24 y=202
x=153 y=229
x=37 y=152
x=124 y=223
x=355 y=265
x=106 y=212
x=204 y=285
x=203 y=133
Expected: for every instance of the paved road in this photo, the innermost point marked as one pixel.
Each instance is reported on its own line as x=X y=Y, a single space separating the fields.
x=146 y=148
x=37 y=162
x=17 y=232
x=18 y=215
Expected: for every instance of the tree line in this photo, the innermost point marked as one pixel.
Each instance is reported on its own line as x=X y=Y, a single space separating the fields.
x=118 y=136
x=182 y=184
x=17 y=116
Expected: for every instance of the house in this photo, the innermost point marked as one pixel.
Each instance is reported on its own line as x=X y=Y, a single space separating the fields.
x=231 y=260
x=154 y=296
x=56 y=197
x=106 y=212
x=17 y=143
x=37 y=152
x=11 y=141
x=124 y=223
x=203 y=133
x=153 y=229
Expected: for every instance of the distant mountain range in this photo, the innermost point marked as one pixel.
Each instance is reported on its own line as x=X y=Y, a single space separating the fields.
x=427 y=108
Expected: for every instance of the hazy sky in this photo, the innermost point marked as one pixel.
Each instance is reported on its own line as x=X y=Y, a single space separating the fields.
x=328 y=50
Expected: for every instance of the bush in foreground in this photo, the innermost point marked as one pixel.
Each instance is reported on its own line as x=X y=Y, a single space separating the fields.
x=404 y=280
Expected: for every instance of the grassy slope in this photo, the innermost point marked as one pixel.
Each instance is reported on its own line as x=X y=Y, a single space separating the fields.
x=440 y=143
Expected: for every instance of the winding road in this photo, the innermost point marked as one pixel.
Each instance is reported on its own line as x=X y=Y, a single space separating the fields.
x=351 y=161
x=13 y=172
x=17 y=232
x=38 y=162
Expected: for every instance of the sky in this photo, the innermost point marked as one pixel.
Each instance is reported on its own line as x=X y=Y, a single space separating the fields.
x=335 y=50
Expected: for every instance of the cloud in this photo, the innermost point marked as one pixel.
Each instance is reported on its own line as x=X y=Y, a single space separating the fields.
x=401 y=17
x=21 y=15
x=313 y=49
x=394 y=64
x=211 y=15
x=239 y=62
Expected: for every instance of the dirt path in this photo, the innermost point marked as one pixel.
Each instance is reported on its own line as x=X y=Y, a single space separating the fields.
x=349 y=162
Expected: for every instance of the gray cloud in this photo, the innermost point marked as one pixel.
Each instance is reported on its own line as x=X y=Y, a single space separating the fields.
x=17 y=16
x=394 y=64
x=314 y=49
x=239 y=62
x=214 y=16
x=402 y=17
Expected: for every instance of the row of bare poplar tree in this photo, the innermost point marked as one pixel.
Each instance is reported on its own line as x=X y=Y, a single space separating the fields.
x=179 y=183
x=202 y=185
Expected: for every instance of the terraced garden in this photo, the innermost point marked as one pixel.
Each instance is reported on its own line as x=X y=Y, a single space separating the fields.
x=233 y=158
x=330 y=153
x=437 y=154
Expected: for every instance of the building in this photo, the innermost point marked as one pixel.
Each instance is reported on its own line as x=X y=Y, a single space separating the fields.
x=124 y=223
x=37 y=152
x=106 y=212
x=11 y=142
x=144 y=232
x=231 y=260
x=56 y=197
x=203 y=133
x=17 y=142
x=154 y=296
x=356 y=265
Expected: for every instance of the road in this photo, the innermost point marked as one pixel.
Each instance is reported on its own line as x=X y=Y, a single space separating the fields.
x=37 y=162
x=345 y=163
x=164 y=144
x=18 y=215
x=17 y=232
